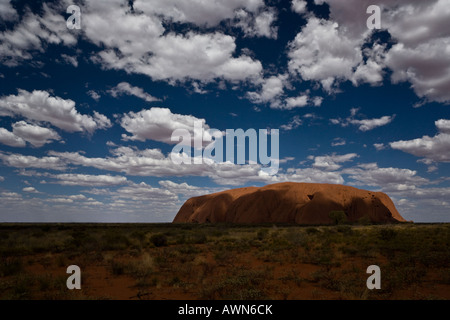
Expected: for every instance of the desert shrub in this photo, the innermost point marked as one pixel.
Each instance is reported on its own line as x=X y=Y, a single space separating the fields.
x=239 y=285
x=159 y=240
x=364 y=220
x=198 y=238
x=344 y=229
x=338 y=217
x=115 y=241
x=262 y=234
x=387 y=234
x=349 y=250
x=139 y=235
x=326 y=278
x=312 y=230
x=117 y=268
x=11 y=266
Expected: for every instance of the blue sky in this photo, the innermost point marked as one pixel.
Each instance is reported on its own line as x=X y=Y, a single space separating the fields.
x=86 y=114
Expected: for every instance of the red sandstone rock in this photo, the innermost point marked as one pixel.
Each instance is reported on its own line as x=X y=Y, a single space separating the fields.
x=288 y=202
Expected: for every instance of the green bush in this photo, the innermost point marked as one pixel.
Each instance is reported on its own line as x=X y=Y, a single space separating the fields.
x=364 y=220
x=338 y=217
x=159 y=240
x=261 y=234
x=10 y=267
x=387 y=234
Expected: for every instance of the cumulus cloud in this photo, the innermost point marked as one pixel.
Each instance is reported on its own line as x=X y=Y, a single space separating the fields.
x=320 y=52
x=126 y=88
x=61 y=113
x=70 y=59
x=443 y=125
x=152 y=162
x=75 y=179
x=271 y=88
x=22 y=161
x=208 y=13
x=185 y=189
x=431 y=149
x=144 y=191
x=299 y=6
x=271 y=91
x=36 y=135
x=7 y=12
x=386 y=178
x=293 y=124
x=30 y=190
x=10 y=139
x=94 y=95
x=379 y=146
x=338 y=142
x=158 y=124
x=295 y=102
x=369 y=124
x=33 y=33
x=332 y=162
x=137 y=43
x=363 y=124
x=420 y=54
x=259 y=25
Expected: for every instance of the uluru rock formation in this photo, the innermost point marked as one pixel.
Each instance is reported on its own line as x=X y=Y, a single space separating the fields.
x=289 y=202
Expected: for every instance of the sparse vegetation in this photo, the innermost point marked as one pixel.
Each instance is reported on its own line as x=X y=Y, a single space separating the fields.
x=153 y=261
x=338 y=217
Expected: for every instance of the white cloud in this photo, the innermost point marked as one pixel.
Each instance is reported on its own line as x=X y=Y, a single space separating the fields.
x=372 y=71
x=272 y=90
x=10 y=139
x=30 y=190
x=36 y=135
x=379 y=146
x=338 y=142
x=184 y=188
x=7 y=12
x=152 y=162
x=322 y=52
x=2 y=179
x=33 y=33
x=331 y=162
x=421 y=30
x=94 y=95
x=144 y=191
x=200 y=12
x=312 y=175
x=70 y=59
x=61 y=113
x=317 y=101
x=126 y=88
x=257 y=25
x=293 y=124
x=300 y=101
x=386 y=178
x=158 y=124
x=369 y=124
x=363 y=124
x=22 y=161
x=432 y=149
x=299 y=6
x=443 y=125
x=72 y=179
x=137 y=43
